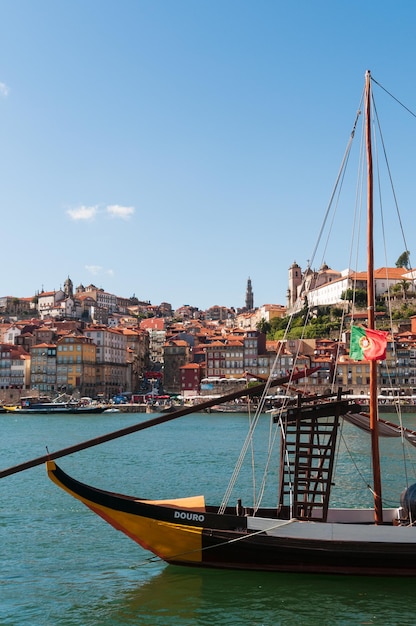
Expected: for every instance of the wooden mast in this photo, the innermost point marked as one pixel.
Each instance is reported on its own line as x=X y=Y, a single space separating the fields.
x=378 y=509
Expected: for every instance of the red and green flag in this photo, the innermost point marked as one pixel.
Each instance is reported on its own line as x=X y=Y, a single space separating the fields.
x=368 y=345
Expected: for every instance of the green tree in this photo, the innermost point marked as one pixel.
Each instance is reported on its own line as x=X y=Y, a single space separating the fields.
x=264 y=326
x=359 y=296
x=404 y=260
x=402 y=286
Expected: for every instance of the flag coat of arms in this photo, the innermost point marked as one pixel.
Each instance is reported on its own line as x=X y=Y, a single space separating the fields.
x=367 y=344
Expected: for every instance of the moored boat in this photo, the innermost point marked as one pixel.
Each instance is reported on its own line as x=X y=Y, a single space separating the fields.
x=303 y=531
x=36 y=404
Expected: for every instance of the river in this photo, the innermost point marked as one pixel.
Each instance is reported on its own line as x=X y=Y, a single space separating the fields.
x=62 y=565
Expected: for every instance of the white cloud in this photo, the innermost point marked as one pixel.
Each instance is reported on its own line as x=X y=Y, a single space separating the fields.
x=125 y=212
x=83 y=213
x=89 y=213
x=93 y=269
x=4 y=90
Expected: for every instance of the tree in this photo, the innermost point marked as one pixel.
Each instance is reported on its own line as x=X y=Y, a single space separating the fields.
x=359 y=296
x=404 y=260
x=264 y=326
x=402 y=286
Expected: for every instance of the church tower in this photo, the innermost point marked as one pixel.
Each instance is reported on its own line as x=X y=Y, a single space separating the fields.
x=68 y=288
x=249 y=296
x=295 y=280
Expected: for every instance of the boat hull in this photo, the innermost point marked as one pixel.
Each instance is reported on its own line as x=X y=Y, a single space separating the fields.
x=186 y=532
x=55 y=409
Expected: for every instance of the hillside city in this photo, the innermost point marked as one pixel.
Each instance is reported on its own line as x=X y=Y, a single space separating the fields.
x=90 y=343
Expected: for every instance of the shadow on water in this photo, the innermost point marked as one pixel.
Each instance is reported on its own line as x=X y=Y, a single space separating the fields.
x=196 y=596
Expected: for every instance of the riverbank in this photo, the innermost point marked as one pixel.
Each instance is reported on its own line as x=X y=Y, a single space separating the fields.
x=245 y=408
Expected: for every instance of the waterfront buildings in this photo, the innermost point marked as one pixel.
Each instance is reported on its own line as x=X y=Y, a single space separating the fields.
x=68 y=347
x=326 y=287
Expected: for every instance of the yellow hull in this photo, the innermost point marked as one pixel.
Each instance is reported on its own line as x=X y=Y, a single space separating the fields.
x=168 y=541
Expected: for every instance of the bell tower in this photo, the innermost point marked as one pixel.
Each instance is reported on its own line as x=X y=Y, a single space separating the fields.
x=68 y=288
x=295 y=280
x=249 y=296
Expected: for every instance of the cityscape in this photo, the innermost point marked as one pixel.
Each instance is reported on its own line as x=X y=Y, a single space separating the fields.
x=86 y=342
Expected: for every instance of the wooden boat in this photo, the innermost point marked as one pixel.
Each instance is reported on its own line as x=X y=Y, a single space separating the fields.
x=303 y=532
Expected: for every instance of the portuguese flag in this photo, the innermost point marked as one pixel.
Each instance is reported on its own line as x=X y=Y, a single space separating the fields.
x=367 y=344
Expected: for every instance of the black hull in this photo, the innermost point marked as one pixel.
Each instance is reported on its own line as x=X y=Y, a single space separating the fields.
x=265 y=553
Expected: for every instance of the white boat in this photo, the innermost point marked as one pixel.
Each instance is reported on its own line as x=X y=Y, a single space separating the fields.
x=43 y=404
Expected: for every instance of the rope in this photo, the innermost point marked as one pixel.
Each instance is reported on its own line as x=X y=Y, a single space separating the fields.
x=390 y=176
x=220 y=544
x=253 y=464
x=337 y=182
x=239 y=463
x=249 y=438
x=272 y=440
x=394 y=98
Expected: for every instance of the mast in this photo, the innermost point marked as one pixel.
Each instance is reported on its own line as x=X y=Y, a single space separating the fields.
x=375 y=452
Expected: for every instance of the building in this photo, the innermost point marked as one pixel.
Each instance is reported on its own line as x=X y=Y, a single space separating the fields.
x=47 y=301
x=399 y=368
x=219 y=313
x=237 y=354
x=187 y=312
x=155 y=326
x=14 y=368
x=89 y=310
x=175 y=355
x=110 y=359
x=103 y=299
x=9 y=333
x=254 y=344
x=138 y=357
x=190 y=375
x=76 y=365
x=43 y=368
x=353 y=375
x=15 y=306
x=225 y=359
x=325 y=287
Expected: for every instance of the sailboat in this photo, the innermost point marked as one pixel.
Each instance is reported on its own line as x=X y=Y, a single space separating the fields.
x=303 y=532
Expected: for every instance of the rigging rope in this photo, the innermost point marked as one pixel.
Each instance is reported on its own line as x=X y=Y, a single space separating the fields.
x=332 y=206
x=396 y=204
x=394 y=98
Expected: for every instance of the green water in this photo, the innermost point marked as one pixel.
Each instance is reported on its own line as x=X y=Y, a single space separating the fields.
x=61 y=564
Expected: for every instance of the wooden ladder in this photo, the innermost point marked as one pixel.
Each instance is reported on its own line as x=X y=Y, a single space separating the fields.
x=307 y=463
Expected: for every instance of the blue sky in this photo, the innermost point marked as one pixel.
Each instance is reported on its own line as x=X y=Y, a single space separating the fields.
x=172 y=148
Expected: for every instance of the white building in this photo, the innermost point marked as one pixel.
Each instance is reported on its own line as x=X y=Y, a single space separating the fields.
x=47 y=301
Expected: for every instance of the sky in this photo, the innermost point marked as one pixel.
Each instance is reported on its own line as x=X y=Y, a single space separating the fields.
x=171 y=149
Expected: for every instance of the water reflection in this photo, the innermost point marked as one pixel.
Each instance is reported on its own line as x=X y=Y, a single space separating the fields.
x=197 y=596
